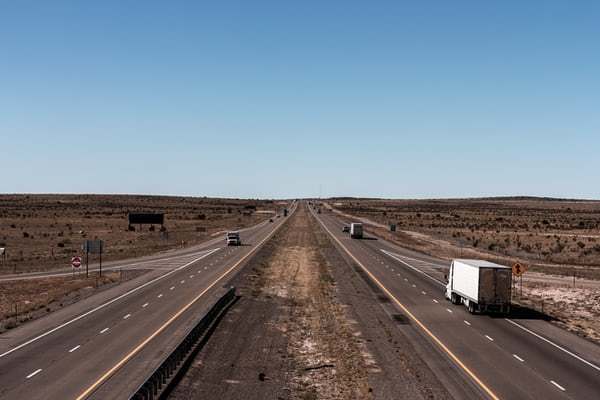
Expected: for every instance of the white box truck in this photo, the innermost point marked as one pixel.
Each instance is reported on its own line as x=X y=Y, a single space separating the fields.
x=356 y=230
x=481 y=286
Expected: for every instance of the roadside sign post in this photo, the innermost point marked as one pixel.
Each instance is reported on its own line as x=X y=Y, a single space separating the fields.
x=3 y=255
x=95 y=247
x=518 y=270
x=75 y=263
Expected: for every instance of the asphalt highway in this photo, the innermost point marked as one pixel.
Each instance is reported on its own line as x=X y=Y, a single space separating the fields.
x=106 y=346
x=514 y=357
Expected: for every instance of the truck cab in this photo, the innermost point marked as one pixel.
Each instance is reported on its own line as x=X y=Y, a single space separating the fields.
x=233 y=238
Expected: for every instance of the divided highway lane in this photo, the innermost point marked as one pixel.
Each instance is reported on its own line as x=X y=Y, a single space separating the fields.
x=72 y=361
x=507 y=359
x=144 y=262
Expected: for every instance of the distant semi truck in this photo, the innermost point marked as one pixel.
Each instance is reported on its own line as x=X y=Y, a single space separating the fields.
x=356 y=230
x=481 y=286
x=233 y=239
x=285 y=212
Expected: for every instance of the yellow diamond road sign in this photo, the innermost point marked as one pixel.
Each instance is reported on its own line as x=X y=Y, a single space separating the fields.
x=518 y=269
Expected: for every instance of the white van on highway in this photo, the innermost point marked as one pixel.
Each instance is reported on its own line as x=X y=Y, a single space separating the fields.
x=233 y=238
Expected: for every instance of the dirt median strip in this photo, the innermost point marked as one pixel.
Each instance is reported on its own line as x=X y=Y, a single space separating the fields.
x=293 y=335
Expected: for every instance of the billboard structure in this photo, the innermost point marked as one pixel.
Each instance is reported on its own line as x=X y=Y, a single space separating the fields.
x=146 y=218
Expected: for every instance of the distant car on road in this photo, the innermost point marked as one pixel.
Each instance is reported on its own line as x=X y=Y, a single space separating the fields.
x=233 y=239
x=346 y=229
x=270 y=219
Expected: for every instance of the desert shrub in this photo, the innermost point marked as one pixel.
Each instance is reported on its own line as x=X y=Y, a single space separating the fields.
x=558 y=248
x=581 y=244
x=25 y=235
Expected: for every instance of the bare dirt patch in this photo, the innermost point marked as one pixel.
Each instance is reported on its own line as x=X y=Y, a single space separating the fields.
x=330 y=362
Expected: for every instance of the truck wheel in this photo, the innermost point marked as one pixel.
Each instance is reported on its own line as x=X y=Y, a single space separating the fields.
x=455 y=299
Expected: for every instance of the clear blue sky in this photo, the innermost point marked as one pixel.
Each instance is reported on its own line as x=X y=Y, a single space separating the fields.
x=280 y=98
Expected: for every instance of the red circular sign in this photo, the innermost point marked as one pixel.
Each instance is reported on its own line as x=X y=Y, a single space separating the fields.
x=76 y=261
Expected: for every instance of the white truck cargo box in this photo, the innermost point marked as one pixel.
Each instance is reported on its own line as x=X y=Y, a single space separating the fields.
x=356 y=230
x=480 y=285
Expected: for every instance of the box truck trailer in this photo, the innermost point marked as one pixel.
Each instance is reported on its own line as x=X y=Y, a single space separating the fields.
x=481 y=286
x=356 y=230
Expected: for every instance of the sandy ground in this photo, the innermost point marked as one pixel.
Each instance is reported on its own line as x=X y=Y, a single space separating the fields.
x=307 y=326
x=575 y=304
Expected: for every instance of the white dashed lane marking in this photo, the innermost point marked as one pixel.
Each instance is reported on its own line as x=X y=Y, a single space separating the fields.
x=34 y=373
x=172 y=287
x=449 y=310
x=489 y=338
x=127 y=316
x=144 y=305
x=104 y=330
x=159 y=296
x=467 y=322
x=518 y=358
x=558 y=386
x=435 y=301
x=75 y=348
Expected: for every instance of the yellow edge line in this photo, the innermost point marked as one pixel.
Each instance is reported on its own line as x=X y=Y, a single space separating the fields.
x=139 y=347
x=423 y=327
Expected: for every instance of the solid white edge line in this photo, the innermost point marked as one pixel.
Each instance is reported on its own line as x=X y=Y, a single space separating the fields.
x=558 y=386
x=395 y=257
x=101 y=306
x=554 y=344
x=34 y=373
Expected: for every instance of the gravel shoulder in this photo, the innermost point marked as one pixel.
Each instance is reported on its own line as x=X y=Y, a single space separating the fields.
x=308 y=326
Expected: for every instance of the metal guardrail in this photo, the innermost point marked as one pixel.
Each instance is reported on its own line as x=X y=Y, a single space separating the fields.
x=165 y=377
